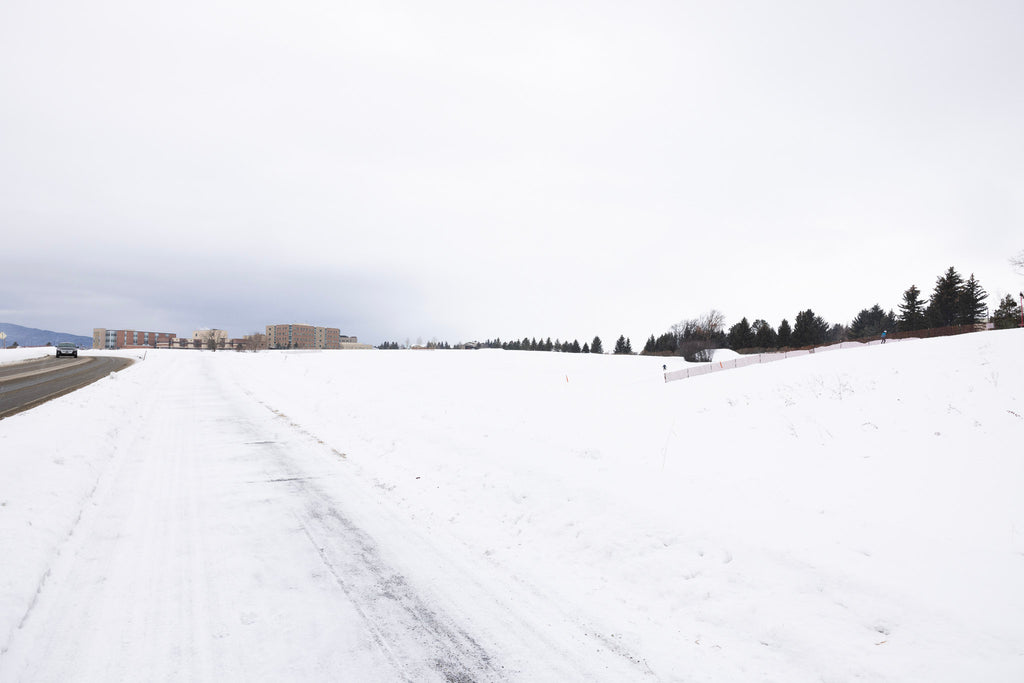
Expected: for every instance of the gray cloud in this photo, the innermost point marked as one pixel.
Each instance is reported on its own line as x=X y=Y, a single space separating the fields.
x=462 y=170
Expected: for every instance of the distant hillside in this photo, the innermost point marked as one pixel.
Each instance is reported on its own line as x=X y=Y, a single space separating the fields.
x=30 y=336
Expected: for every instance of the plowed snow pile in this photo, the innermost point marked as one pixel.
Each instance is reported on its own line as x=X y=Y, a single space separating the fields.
x=857 y=514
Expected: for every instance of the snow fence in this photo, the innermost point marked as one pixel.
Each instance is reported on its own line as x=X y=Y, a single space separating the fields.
x=743 y=361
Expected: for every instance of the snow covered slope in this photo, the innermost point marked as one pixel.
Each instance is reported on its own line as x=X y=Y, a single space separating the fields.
x=500 y=515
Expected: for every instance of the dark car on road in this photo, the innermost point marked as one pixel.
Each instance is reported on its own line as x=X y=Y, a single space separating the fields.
x=67 y=349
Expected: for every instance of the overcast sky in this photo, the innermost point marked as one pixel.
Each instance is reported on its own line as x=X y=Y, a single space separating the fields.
x=464 y=170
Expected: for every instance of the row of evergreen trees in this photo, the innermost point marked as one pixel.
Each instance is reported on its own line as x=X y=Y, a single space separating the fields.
x=954 y=301
x=534 y=344
x=694 y=338
x=622 y=345
x=430 y=345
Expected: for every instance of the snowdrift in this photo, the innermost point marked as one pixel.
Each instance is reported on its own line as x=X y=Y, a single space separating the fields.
x=855 y=514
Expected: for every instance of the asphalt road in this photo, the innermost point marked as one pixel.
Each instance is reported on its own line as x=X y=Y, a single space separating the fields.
x=26 y=385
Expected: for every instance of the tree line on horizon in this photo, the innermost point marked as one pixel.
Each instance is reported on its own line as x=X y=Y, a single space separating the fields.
x=954 y=302
x=622 y=345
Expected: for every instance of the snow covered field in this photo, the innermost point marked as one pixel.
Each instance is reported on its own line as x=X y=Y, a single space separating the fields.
x=492 y=515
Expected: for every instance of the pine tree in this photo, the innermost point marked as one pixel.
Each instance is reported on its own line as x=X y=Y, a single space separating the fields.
x=740 y=336
x=837 y=334
x=809 y=329
x=1007 y=314
x=972 y=302
x=576 y=347
x=595 y=346
x=944 y=307
x=872 y=322
x=785 y=336
x=764 y=335
x=649 y=346
x=912 y=311
x=620 y=345
x=863 y=325
x=586 y=348
x=666 y=343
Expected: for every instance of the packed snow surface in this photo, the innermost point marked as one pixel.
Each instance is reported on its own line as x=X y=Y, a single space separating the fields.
x=492 y=515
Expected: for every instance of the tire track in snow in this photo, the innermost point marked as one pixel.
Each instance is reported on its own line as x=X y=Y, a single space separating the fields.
x=568 y=647
x=76 y=582
x=177 y=569
x=227 y=542
x=392 y=610
x=419 y=640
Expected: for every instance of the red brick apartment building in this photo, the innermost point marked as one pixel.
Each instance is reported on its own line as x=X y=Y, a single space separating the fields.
x=303 y=337
x=103 y=338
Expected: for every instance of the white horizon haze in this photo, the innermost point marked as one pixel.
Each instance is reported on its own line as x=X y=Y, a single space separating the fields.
x=460 y=170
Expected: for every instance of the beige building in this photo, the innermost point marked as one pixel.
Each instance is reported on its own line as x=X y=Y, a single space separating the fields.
x=296 y=336
x=201 y=338
x=203 y=335
x=353 y=343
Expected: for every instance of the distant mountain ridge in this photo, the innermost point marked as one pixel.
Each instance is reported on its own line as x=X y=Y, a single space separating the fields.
x=31 y=336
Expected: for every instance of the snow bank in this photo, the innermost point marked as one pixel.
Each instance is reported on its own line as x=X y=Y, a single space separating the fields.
x=22 y=353
x=51 y=460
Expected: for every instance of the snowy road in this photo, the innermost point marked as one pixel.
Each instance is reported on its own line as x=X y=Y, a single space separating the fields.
x=24 y=385
x=218 y=544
